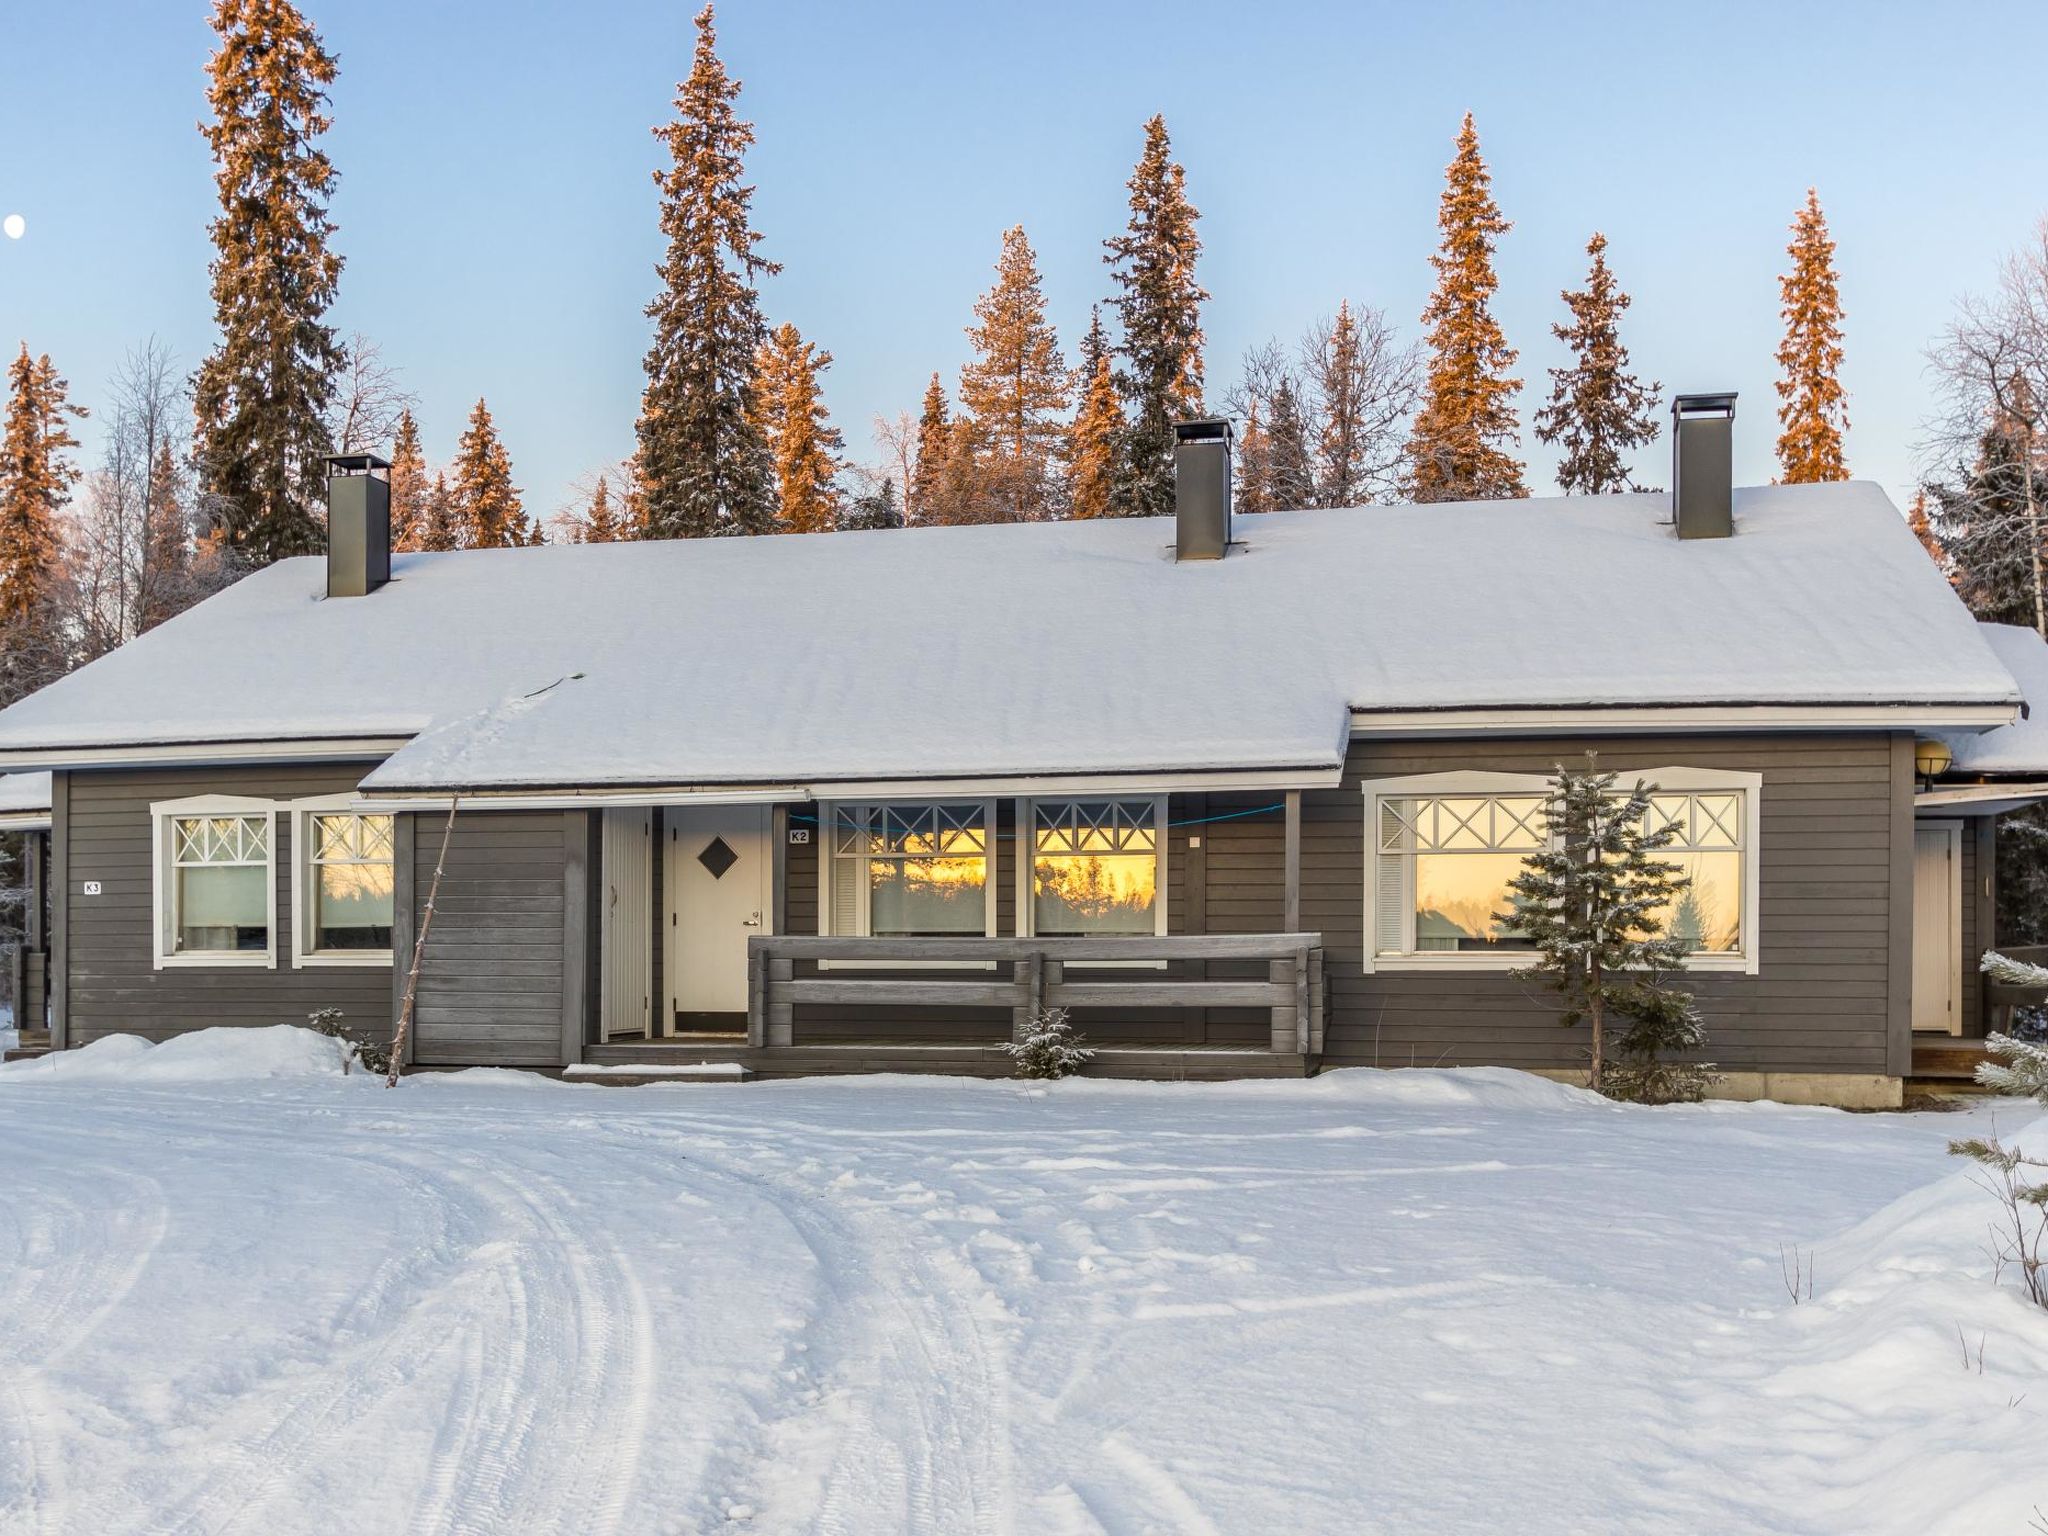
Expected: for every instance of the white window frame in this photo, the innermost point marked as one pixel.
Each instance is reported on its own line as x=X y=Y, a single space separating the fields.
x=1676 y=780
x=829 y=814
x=163 y=883
x=304 y=954
x=1027 y=860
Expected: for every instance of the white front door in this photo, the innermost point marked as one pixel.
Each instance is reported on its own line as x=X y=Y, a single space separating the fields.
x=626 y=934
x=720 y=867
x=1937 y=926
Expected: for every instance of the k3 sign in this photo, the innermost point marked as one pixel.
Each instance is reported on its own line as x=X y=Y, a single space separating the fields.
x=92 y=887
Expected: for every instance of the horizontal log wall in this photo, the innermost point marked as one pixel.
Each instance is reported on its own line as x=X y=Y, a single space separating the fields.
x=109 y=983
x=1832 y=989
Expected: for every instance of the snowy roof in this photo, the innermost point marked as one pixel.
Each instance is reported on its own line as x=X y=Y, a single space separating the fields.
x=24 y=797
x=1023 y=649
x=2021 y=747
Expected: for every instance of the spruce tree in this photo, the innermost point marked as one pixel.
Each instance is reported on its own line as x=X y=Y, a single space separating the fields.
x=1015 y=389
x=166 y=587
x=1346 y=435
x=408 y=484
x=702 y=466
x=1813 y=410
x=1989 y=527
x=441 y=520
x=1921 y=521
x=1592 y=904
x=1252 y=491
x=489 y=510
x=874 y=510
x=1159 y=310
x=803 y=445
x=931 y=478
x=600 y=523
x=1461 y=448
x=1290 y=463
x=1095 y=446
x=260 y=400
x=1598 y=409
x=36 y=478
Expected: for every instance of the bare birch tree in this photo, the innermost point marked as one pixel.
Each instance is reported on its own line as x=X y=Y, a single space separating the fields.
x=1333 y=412
x=1983 y=450
x=368 y=400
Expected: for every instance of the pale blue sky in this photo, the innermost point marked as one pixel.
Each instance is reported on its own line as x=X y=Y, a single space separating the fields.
x=498 y=219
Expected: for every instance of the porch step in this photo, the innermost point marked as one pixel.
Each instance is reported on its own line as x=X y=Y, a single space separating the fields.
x=1950 y=1061
x=30 y=1044
x=639 y=1074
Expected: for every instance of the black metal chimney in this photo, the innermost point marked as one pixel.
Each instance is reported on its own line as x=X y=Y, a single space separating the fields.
x=1703 y=465
x=358 y=524
x=1201 y=489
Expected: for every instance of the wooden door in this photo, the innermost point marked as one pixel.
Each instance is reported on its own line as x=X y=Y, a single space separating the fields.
x=626 y=933
x=1938 y=927
x=719 y=862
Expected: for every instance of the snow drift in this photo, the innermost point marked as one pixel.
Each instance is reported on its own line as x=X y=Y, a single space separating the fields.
x=218 y=1055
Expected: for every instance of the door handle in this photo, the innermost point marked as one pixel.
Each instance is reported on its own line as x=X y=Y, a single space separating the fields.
x=751 y=922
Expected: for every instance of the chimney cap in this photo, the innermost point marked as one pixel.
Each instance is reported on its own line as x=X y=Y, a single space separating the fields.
x=355 y=464
x=1202 y=429
x=1718 y=403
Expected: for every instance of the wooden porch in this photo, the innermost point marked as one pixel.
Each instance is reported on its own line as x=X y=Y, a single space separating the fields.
x=994 y=988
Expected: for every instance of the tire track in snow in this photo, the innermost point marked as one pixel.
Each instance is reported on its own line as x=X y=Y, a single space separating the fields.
x=591 y=1327
x=103 y=1255
x=911 y=1392
x=243 y=1476
x=545 y=1439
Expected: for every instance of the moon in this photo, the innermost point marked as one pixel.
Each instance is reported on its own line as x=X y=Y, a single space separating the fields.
x=15 y=225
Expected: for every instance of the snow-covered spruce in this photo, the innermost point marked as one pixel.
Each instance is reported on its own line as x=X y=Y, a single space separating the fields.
x=1051 y=1048
x=1592 y=903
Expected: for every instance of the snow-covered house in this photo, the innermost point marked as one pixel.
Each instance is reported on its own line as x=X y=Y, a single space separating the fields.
x=865 y=800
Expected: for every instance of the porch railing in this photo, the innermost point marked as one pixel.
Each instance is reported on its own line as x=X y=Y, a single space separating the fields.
x=1291 y=990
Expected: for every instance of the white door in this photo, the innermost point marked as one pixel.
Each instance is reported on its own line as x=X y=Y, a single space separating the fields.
x=626 y=936
x=719 y=862
x=1937 y=926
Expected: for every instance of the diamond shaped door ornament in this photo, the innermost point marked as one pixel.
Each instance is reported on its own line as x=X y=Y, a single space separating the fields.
x=717 y=856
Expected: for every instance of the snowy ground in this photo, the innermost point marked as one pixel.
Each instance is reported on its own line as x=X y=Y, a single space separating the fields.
x=1406 y=1302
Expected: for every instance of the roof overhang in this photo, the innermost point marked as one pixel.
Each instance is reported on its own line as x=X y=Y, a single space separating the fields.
x=25 y=821
x=1597 y=719
x=325 y=749
x=1982 y=799
x=545 y=798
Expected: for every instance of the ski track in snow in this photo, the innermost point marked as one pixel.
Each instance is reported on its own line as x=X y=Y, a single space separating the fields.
x=485 y=1307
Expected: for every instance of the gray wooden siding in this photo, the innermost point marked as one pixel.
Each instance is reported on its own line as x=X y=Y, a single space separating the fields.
x=504 y=981
x=107 y=982
x=1831 y=990
x=507 y=978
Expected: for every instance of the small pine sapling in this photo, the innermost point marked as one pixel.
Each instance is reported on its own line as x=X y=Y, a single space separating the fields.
x=1592 y=902
x=2023 y=1068
x=2017 y=1183
x=1051 y=1048
x=327 y=1021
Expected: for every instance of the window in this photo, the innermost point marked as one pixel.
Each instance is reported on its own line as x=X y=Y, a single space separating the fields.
x=1709 y=846
x=1446 y=846
x=342 y=887
x=909 y=870
x=1445 y=864
x=1095 y=868
x=215 y=885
